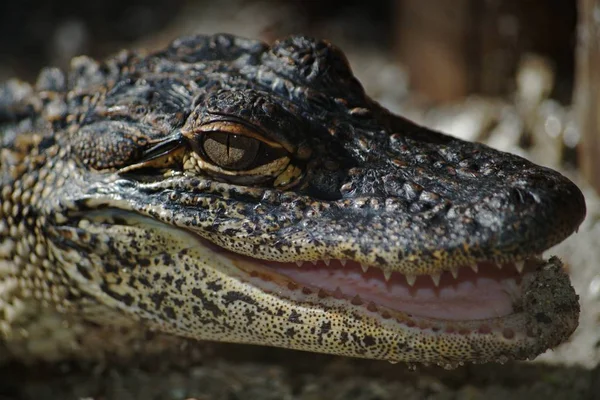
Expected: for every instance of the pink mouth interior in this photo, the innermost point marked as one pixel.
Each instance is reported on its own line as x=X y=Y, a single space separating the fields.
x=488 y=293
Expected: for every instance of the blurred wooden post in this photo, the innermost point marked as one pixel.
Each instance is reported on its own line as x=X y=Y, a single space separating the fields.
x=587 y=90
x=453 y=48
x=433 y=42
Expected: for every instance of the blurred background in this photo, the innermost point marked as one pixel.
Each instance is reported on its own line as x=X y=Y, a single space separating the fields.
x=452 y=65
x=499 y=71
x=520 y=75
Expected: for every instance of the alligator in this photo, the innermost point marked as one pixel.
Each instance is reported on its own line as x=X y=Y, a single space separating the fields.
x=223 y=189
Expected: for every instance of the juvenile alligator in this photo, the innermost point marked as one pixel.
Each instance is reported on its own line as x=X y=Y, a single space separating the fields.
x=227 y=190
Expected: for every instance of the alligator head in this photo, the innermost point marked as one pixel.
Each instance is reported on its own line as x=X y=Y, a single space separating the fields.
x=227 y=190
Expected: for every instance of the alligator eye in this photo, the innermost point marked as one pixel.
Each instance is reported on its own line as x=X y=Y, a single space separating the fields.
x=238 y=153
x=231 y=151
x=235 y=152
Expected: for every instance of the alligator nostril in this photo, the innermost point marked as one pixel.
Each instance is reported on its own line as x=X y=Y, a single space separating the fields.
x=517 y=195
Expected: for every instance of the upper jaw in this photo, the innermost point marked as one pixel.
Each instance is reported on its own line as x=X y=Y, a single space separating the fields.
x=288 y=226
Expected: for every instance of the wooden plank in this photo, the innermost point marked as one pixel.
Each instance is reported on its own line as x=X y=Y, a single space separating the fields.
x=587 y=90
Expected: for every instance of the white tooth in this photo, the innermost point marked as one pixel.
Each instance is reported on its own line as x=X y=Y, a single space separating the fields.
x=314 y=262
x=387 y=275
x=499 y=265
x=411 y=279
x=299 y=263
x=436 y=279
x=364 y=267
x=454 y=272
x=520 y=265
x=326 y=261
x=343 y=262
x=475 y=267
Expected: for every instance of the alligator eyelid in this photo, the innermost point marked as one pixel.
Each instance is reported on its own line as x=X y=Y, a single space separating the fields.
x=250 y=130
x=232 y=119
x=236 y=128
x=164 y=147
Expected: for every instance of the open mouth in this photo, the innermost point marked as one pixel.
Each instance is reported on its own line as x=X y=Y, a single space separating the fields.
x=480 y=295
x=483 y=291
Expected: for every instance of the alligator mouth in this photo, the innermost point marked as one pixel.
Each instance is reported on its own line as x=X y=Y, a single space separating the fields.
x=483 y=295
x=482 y=291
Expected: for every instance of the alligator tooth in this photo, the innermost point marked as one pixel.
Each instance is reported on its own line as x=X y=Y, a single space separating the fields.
x=364 y=267
x=357 y=301
x=326 y=261
x=436 y=279
x=475 y=267
x=454 y=272
x=299 y=263
x=338 y=293
x=387 y=275
x=499 y=265
x=520 y=265
x=372 y=307
x=411 y=279
x=343 y=262
x=314 y=262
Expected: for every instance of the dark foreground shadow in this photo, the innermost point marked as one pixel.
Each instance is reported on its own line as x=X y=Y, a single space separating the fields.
x=228 y=372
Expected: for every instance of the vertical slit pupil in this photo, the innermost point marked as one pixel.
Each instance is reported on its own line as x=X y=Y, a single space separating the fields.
x=231 y=151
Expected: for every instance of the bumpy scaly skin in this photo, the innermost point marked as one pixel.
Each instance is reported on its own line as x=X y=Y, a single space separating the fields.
x=90 y=240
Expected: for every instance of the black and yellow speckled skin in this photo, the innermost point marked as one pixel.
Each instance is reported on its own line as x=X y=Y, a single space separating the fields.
x=101 y=233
